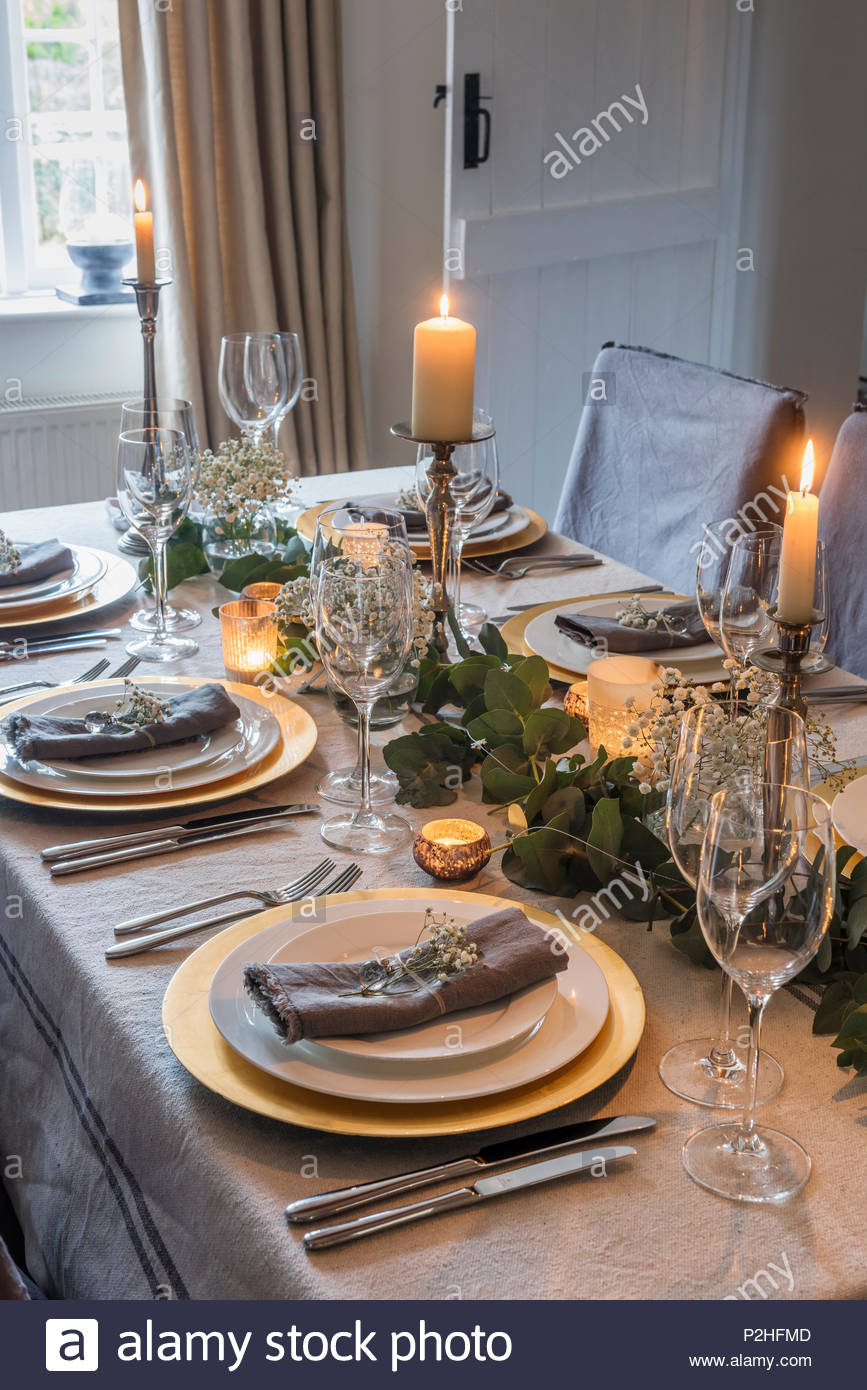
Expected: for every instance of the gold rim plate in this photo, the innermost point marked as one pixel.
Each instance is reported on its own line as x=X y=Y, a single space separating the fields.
x=513 y=631
x=297 y=741
x=199 y=1048
x=119 y=578
x=535 y=529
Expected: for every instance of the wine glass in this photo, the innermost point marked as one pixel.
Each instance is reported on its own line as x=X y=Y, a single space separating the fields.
x=169 y=413
x=714 y=751
x=343 y=785
x=154 y=486
x=361 y=580
x=749 y=594
x=715 y=549
x=253 y=384
x=291 y=349
x=815 y=660
x=474 y=489
x=765 y=897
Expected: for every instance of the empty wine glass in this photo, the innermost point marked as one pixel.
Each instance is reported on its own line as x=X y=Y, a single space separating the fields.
x=169 y=413
x=714 y=751
x=765 y=897
x=253 y=384
x=291 y=349
x=361 y=582
x=154 y=486
x=717 y=541
x=474 y=489
x=749 y=594
x=815 y=660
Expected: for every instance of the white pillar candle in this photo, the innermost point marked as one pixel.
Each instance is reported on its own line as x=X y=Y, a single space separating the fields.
x=443 y=370
x=144 y=237
x=798 y=557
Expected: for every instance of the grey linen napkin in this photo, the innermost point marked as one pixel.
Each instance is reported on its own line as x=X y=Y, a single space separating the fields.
x=417 y=521
x=608 y=634
x=309 y=1000
x=195 y=712
x=38 y=562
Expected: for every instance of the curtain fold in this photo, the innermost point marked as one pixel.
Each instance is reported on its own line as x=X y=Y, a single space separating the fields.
x=234 y=112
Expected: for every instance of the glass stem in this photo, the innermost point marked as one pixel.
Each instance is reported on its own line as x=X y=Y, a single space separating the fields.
x=733 y=683
x=364 y=709
x=158 y=549
x=722 y=1055
x=453 y=584
x=748 y=1139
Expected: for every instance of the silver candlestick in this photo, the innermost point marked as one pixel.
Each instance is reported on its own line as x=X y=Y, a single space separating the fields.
x=786 y=660
x=147 y=299
x=440 y=512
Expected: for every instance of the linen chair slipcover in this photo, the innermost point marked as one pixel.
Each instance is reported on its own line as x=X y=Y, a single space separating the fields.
x=843 y=526
x=664 y=445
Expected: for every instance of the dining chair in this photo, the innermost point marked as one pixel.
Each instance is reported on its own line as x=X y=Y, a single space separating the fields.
x=843 y=524
x=664 y=445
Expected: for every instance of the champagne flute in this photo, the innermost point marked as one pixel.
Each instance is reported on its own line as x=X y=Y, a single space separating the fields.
x=361 y=580
x=750 y=593
x=765 y=896
x=714 y=751
x=474 y=490
x=154 y=486
x=252 y=383
x=169 y=413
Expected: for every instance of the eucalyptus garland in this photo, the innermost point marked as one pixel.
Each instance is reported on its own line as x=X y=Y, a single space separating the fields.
x=576 y=824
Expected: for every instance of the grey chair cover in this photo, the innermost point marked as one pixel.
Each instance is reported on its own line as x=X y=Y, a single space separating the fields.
x=843 y=528
x=671 y=445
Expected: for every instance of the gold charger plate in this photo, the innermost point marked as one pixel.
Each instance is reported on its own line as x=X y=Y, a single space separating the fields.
x=828 y=793
x=534 y=530
x=199 y=1048
x=298 y=739
x=513 y=631
x=119 y=578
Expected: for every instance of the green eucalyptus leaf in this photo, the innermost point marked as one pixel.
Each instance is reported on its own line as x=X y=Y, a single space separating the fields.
x=492 y=642
x=836 y=1000
x=605 y=838
x=687 y=937
x=468 y=677
x=496 y=724
x=533 y=671
x=505 y=691
x=568 y=801
x=541 y=793
x=550 y=731
x=642 y=846
x=506 y=776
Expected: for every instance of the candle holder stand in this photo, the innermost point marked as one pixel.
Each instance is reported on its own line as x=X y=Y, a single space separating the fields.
x=147 y=300
x=786 y=660
x=440 y=513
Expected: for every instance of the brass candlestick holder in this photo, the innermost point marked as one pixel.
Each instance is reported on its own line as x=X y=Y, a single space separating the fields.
x=439 y=512
x=786 y=660
x=147 y=299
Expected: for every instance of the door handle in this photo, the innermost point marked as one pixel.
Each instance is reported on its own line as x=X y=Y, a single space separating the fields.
x=477 y=123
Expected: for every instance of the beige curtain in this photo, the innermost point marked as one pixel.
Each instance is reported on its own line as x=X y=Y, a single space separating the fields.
x=235 y=124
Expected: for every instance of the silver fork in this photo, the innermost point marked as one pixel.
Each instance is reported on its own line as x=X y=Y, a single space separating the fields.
x=559 y=562
x=341 y=884
x=8 y=692
x=269 y=897
x=126 y=668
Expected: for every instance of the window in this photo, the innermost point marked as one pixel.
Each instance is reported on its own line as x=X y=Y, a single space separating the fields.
x=64 y=167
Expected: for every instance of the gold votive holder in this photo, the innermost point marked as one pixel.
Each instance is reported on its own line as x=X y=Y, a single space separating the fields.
x=263 y=590
x=248 y=627
x=451 y=849
x=612 y=683
x=575 y=701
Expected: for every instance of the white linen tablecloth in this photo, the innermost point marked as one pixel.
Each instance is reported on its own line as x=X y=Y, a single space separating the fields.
x=133 y=1181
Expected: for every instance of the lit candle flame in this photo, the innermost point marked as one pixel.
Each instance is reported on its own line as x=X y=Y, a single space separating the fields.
x=807 y=469
x=444 y=306
x=140 y=196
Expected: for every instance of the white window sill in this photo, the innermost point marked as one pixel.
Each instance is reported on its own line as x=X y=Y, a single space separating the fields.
x=45 y=304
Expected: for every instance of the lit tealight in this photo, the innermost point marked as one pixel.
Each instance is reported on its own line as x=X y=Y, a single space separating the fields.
x=451 y=849
x=248 y=628
x=265 y=591
x=364 y=541
x=617 y=688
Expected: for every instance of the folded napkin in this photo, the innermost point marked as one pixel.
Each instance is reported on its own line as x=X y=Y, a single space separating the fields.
x=39 y=561
x=310 y=1000
x=193 y=713
x=608 y=634
x=417 y=521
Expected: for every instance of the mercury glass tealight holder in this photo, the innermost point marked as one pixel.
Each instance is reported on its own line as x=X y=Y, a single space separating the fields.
x=363 y=541
x=451 y=849
x=263 y=590
x=575 y=701
x=612 y=683
x=248 y=627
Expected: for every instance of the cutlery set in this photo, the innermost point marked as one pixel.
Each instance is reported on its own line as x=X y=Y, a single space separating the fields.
x=516 y=566
x=555 y=1151
x=126 y=668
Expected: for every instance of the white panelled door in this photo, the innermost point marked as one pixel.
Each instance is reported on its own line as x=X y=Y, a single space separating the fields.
x=607 y=206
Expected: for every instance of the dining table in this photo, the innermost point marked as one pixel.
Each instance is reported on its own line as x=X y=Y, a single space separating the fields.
x=131 y=1180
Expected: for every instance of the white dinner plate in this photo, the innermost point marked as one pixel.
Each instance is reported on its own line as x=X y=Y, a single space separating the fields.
x=849 y=814
x=236 y=747
x=569 y=1026
x=542 y=636
x=87 y=569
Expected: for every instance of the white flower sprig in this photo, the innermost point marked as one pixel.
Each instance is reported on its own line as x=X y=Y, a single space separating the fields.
x=137 y=707
x=241 y=477
x=10 y=555
x=442 y=950
x=295 y=606
x=407 y=498
x=634 y=614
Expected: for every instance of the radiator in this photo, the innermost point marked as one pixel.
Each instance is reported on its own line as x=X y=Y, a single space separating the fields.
x=58 y=449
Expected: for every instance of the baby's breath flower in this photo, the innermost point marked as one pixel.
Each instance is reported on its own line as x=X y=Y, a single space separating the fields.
x=241 y=477
x=10 y=556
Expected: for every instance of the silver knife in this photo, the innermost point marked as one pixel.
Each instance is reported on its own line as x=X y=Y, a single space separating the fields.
x=549 y=1141
x=191 y=827
x=82 y=644
x=125 y=856
x=497 y=1186
x=34 y=644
